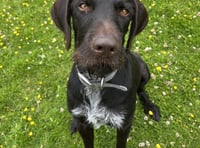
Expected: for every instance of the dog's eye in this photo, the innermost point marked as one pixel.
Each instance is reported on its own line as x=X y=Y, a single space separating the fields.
x=124 y=12
x=83 y=6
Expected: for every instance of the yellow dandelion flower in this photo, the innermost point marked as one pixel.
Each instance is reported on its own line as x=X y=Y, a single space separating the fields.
x=25 y=4
x=2 y=36
x=164 y=52
x=49 y=19
x=45 y=2
x=150 y=113
x=32 y=123
x=51 y=23
x=15 y=32
x=23 y=23
x=158 y=68
x=191 y=115
x=195 y=79
x=153 y=4
x=40 y=83
x=158 y=146
x=26 y=98
x=25 y=109
x=54 y=40
x=1 y=66
x=166 y=66
x=1 y=146
x=16 y=52
x=150 y=36
x=24 y=117
x=175 y=87
x=39 y=97
x=30 y=134
x=29 y=118
x=61 y=51
x=32 y=109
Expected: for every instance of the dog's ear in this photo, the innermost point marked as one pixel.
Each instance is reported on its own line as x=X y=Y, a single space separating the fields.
x=60 y=13
x=139 y=21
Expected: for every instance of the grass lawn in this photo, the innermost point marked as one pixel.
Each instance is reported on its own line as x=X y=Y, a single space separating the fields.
x=34 y=68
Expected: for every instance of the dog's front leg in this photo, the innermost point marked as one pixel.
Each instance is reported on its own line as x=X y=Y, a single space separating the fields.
x=122 y=135
x=85 y=130
x=87 y=134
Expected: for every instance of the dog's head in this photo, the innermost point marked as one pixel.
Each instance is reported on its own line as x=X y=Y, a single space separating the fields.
x=99 y=28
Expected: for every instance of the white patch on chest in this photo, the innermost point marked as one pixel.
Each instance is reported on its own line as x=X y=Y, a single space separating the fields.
x=96 y=114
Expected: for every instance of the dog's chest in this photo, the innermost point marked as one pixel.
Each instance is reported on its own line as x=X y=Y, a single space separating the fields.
x=97 y=114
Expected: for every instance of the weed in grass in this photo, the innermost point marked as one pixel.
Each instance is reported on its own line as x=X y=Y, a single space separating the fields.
x=34 y=68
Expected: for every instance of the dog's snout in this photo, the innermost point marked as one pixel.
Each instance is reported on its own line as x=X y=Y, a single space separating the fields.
x=105 y=45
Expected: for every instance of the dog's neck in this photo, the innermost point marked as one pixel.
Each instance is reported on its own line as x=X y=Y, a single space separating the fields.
x=93 y=81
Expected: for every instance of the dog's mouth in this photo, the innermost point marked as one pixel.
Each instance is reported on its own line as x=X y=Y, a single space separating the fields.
x=98 y=70
x=97 y=65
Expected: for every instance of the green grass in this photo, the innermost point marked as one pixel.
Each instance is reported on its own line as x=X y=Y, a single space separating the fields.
x=34 y=67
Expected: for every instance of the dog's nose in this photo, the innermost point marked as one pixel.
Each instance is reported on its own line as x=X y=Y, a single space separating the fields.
x=105 y=45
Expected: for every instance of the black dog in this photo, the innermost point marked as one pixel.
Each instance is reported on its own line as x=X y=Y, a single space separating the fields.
x=105 y=77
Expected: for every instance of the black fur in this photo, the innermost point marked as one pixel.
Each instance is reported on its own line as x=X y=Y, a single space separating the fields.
x=99 y=28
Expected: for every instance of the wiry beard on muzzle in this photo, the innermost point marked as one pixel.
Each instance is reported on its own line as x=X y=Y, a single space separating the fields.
x=96 y=64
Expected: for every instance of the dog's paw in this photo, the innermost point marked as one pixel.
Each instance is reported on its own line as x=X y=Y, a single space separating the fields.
x=153 y=111
x=73 y=127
